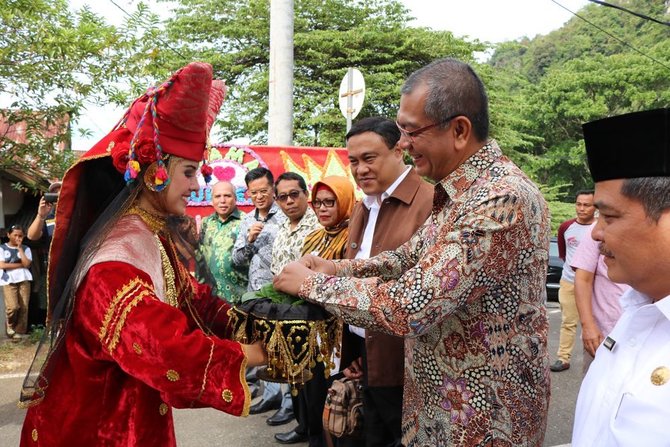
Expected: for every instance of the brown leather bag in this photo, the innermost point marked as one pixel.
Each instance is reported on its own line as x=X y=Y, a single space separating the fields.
x=343 y=411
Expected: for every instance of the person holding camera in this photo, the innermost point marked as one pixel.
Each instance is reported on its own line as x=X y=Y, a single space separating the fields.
x=44 y=220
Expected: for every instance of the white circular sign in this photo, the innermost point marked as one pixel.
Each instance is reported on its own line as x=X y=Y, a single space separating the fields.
x=352 y=87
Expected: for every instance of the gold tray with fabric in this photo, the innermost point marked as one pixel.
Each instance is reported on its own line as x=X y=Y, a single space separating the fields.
x=295 y=336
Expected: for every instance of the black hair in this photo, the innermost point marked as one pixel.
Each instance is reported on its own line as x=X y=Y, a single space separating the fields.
x=453 y=89
x=258 y=173
x=383 y=127
x=652 y=192
x=15 y=227
x=584 y=192
x=292 y=176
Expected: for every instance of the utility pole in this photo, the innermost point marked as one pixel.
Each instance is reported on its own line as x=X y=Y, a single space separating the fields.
x=280 y=104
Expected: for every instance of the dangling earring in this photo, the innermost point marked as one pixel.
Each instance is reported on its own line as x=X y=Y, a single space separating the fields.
x=156 y=176
x=149 y=176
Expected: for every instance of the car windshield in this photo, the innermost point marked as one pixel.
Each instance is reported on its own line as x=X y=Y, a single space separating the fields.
x=553 y=249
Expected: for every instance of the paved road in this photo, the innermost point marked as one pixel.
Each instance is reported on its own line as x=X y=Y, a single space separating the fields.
x=207 y=428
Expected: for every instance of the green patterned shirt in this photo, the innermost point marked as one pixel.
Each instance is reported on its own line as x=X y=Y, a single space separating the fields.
x=214 y=257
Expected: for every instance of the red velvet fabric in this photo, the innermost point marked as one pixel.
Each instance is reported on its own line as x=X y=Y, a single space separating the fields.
x=128 y=358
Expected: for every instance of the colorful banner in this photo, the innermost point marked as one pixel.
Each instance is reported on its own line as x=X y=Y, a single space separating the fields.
x=232 y=162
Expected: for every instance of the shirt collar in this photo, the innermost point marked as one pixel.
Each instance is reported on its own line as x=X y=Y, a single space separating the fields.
x=632 y=299
x=308 y=220
x=368 y=201
x=234 y=215
x=460 y=180
x=274 y=209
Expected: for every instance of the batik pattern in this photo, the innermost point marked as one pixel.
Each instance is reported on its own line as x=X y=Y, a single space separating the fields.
x=214 y=257
x=467 y=292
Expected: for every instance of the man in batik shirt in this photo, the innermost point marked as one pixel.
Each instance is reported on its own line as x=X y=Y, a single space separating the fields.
x=217 y=237
x=253 y=247
x=292 y=196
x=467 y=290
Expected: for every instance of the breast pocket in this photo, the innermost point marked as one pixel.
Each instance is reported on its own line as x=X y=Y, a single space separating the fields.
x=643 y=415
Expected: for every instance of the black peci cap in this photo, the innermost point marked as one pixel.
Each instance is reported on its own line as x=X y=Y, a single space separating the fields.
x=629 y=146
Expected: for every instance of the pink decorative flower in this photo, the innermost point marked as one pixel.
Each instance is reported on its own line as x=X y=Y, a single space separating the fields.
x=224 y=173
x=456 y=398
x=449 y=275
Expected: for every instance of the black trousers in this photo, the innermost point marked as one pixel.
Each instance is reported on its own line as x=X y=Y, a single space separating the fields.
x=382 y=407
x=308 y=407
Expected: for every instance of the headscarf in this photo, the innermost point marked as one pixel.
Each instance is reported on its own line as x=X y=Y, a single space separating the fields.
x=330 y=243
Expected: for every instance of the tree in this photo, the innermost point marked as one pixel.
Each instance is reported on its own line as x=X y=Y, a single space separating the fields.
x=549 y=86
x=52 y=62
x=329 y=37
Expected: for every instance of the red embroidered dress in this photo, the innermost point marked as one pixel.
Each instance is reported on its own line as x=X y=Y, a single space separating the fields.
x=135 y=348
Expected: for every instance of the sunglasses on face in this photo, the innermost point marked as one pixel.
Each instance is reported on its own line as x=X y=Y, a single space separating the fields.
x=284 y=196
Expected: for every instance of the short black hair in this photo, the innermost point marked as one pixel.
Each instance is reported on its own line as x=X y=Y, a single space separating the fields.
x=292 y=176
x=257 y=173
x=652 y=192
x=584 y=192
x=383 y=127
x=453 y=89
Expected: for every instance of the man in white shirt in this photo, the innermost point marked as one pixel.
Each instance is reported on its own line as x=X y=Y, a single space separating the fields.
x=624 y=397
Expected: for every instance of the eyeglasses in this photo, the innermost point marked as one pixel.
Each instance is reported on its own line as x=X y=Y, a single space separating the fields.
x=293 y=195
x=15 y=227
x=260 y=192
x=328 y=203
x=412 y=134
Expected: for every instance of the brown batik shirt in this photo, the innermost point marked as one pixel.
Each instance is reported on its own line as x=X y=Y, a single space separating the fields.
x=467 y=293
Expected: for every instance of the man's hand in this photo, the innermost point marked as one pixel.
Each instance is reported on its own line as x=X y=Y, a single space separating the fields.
x=44 y=208
x=256 y=355
x=254 y=231
x=291 y=278
x=355 y=370
x=591 y=337
x=318 y=264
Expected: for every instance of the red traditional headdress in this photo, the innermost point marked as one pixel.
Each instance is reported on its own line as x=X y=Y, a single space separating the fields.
x=174 y=118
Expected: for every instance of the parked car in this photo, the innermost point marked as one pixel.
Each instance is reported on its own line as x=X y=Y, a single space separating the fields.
x=554 y=270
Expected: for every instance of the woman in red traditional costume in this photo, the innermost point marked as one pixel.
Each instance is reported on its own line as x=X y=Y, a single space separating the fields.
x=130 y=333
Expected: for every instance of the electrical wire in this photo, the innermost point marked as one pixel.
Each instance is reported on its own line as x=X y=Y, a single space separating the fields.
x=613 y=36
x=637 y=14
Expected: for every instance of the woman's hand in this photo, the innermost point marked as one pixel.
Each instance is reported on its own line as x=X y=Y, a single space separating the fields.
x=291 y=278
x=255 y=353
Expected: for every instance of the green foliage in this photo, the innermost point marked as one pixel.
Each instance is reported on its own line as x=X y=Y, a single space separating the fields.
x=268 y=291
x=329 y=37
x=53 y=62
x=560 y=212
x=547 y=87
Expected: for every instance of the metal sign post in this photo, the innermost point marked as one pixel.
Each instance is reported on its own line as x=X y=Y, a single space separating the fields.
x=352 y=94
